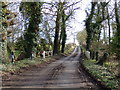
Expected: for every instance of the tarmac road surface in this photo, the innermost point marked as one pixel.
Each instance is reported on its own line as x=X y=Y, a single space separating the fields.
x=63 y=73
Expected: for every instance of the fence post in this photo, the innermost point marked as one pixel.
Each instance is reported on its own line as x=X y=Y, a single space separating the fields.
x=13 y=57
x=43 y=54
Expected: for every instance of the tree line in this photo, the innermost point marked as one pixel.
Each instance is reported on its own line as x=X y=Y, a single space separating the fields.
x=102 y=32
x=34 y=27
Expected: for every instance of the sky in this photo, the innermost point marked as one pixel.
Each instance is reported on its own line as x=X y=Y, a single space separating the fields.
x=78 y=23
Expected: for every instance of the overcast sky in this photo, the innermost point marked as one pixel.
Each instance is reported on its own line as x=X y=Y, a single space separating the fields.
x=78 y=23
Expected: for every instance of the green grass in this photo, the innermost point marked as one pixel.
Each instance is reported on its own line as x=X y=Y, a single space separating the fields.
x=102 y=74
x=67 y=51
x=9 y=67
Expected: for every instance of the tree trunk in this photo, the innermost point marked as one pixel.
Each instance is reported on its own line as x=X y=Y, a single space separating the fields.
x=56 y=39
x=92 y=55
x=118 y=36
x=63 y=42
x=103 y=59
x=88 y=26
x=109 y=25
x=97 y=56
x=64 y=32
x=118 y=30
x=4 y=48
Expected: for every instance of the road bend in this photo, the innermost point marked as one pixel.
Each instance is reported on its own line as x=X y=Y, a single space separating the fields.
x=63 y=73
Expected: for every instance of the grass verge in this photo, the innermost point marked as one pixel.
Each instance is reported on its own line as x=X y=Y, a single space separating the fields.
x=11 y=68
x=102 y=74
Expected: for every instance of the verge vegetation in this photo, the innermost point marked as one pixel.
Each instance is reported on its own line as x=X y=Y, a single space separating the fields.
x=102 y=73
x=12 y=68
